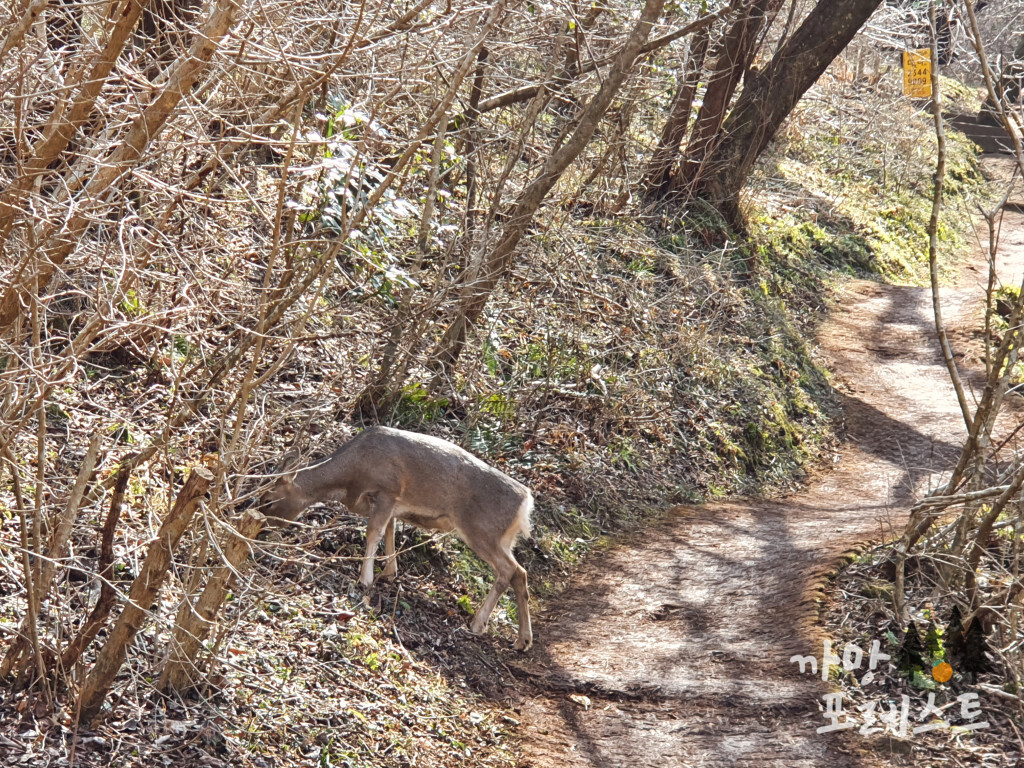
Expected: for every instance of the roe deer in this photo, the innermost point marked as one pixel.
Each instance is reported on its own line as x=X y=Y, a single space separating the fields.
x=385 y=474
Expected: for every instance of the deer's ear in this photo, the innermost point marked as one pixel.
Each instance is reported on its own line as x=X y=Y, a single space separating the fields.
x=290 y=462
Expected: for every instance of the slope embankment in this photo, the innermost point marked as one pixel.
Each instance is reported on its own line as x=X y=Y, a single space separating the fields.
x=674 y=648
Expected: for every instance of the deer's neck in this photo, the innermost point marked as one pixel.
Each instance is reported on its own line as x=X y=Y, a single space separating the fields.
x=326 y=479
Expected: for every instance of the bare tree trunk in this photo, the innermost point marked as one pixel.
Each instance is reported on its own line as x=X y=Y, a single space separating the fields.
x=999 y=370
x=933 y=269
x=985 y=529
x=391 y=367
x=527 y=92
x=64 y=124
x=193 y=624
x=31 y=626
x=733 y=55
x=770 y=94
x=933 y=235
x=1009 y=119
x=142 y=594
x=478 y=288
x=430 y=125
x=27 y=17
x=15 y=660
x=471 y=147
x=997 y=381
x=665 y=154
x=105 y=602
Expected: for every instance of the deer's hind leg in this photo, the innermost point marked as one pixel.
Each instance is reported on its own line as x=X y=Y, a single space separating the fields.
x=507 y=572
x=522 y=591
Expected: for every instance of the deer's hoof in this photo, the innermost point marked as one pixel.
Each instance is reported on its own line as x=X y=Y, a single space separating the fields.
x=477 y=629
x=523 y=644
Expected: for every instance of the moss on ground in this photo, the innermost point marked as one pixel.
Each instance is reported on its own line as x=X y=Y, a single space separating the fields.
x=861 y=206
x=675 y=357
x=631 y=363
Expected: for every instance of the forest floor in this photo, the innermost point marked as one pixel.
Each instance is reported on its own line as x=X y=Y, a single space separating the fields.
x=670 y=646
x=673 y=648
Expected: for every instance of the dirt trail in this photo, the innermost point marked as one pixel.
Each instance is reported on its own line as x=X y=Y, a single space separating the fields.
x=681 y=639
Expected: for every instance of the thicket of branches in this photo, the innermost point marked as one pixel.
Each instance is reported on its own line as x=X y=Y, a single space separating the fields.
x=965 y=536
x=227 y=223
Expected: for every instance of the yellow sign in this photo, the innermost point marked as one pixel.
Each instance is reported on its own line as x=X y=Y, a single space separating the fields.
x=917 y=73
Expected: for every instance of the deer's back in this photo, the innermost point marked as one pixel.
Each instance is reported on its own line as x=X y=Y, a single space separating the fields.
x=427 y=473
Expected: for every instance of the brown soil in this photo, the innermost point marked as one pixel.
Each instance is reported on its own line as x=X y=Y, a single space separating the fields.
x=673 y=649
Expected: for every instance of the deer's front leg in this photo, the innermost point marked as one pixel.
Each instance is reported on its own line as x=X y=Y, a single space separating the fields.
x=378 y=515
x=390 y=559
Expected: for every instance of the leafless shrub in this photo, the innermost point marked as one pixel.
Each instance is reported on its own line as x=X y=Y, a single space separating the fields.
x=970 y=527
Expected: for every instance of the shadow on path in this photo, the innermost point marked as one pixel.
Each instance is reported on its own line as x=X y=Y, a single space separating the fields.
x=673 y=648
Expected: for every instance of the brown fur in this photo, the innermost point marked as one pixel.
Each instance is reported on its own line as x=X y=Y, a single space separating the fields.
x=386 y=474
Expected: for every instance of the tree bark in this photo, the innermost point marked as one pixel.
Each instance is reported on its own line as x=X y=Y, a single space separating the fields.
x=527 y=92
x=60 y=239
x=64 y=124
x=16 y=659
x=142 y=594
x=193 y=623
x=769 y=95
x=665 y=154
x=733 y=55
x=27 y=16
x=98 y=617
